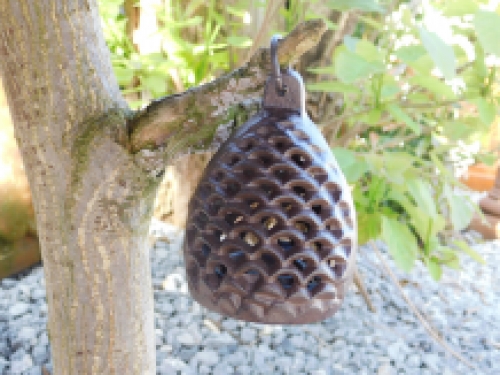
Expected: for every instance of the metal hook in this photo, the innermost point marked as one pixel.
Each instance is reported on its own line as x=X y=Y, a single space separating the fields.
x=276 y=65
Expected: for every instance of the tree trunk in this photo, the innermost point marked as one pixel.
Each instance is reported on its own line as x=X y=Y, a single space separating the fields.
x=92 y=202
x=94 y=168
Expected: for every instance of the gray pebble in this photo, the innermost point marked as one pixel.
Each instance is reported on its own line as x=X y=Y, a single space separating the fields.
x=19 y=366
x=208 y=357
x=19 y=309
x=248 y=334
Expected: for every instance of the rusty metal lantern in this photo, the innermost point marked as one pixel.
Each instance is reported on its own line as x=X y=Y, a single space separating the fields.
x=271 y=232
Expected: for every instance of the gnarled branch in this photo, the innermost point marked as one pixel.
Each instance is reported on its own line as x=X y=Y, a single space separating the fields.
x=191 y=120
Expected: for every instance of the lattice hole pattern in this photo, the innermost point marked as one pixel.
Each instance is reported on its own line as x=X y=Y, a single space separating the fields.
x=271 y=227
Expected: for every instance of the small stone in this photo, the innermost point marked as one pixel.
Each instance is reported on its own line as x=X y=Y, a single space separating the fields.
x=297 y=341
x=43 y=339
x=208 y=357
x=37 y=370
x=18 y=309
x=38 y=294
x=413 y=360
x=394 y=350
x=3 y=364
x=248 y=334
x=18 y=367
x=244 y=370
x=222 y=369
x=223 y=339
x=27 y=334
x=189 y=338
x=8 y=283
x=230 y=324
x=40 y=354
x=172 y=365
x=236 y=359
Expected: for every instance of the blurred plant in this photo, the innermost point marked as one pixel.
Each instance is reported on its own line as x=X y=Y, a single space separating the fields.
x=417 y=81
x=196 y=42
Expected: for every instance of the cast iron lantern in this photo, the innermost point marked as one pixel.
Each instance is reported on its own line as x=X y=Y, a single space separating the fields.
x=271 y=231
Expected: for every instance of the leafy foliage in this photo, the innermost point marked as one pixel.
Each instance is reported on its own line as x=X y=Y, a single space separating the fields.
x=415 y=82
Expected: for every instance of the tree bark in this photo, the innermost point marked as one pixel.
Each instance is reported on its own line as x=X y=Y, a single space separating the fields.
x=91 y=200
x=94 y=167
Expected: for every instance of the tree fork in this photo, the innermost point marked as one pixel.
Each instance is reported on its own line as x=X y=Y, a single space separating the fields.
x=92 y=196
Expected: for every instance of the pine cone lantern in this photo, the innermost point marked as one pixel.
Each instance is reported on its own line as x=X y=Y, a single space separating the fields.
x=271 y=231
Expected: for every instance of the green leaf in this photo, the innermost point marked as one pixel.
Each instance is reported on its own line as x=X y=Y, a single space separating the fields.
x=349 y=67
x=434 y=268
x=409 y=54
x=461 y=209
x=441 y=53
x=459 y=8
x=389 y=90
x=421 y=192
x=400 y=115
x=156 y=84
x=239 y=41
x=488 y=159
x=332 y=86
x=462 y=245
x=487 y=26
x=434 y=85
x=369 y=51
x=487 y=110
x=123 y=75
x=364 y=5
x=401 y=243
x=351 y=165
x=369 y=227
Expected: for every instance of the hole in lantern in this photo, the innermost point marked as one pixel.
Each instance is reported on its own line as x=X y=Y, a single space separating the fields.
x=300 y=191
x=313 y=283
x=300 y=160
x=280 y=146
x=269 y=222
x=233 y=218
x=205 y=250
x=335 y=228
x=302 y=226
x=267 y=189
x=220 y=235
x=266 y=160
x=220 y=270
x=287 y=206
x=286 y=281
x=252 y=271
x=268 y=259
x=335 y=191
x=316 y=209
x=253 y=204
x=232 y=188
x=237 y=255
x=250 y=238
x=202 y=219
x=215 y=205
x=286 y=243
x=234 y=160
x=248 y=174
x=219 y=176
x=247 y=146
x=282 y=174
x=300 y=263
x=317 y=246
x=205 y=191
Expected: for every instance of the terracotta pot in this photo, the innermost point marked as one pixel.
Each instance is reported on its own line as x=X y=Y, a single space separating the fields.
x=480 y=177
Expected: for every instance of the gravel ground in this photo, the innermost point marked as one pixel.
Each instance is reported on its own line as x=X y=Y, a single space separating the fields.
x=463 y=308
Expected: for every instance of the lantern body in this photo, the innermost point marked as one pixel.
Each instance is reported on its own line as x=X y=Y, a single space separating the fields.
x=271 y=230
